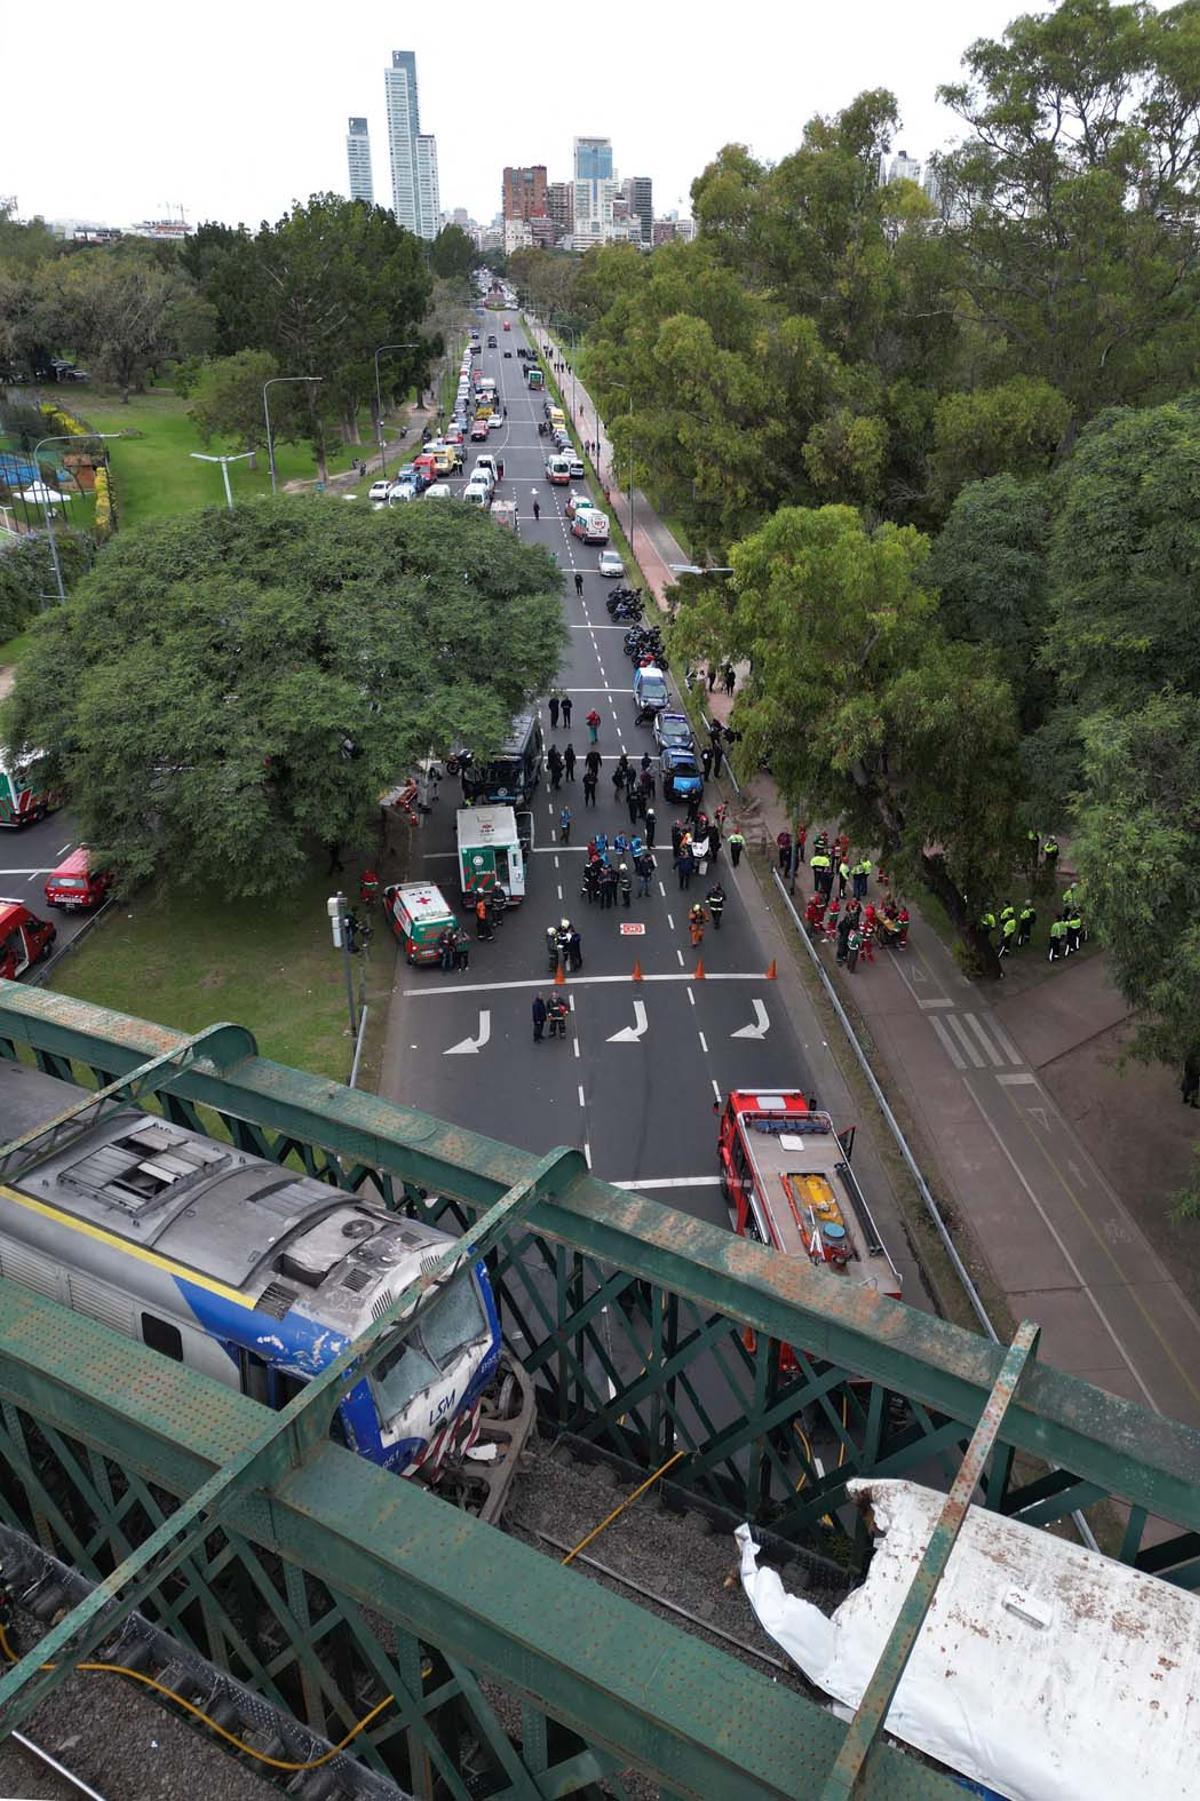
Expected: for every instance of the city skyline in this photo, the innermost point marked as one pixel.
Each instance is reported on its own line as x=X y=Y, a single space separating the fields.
x=300 y=104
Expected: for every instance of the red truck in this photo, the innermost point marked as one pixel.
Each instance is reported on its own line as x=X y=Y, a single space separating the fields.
x=24 y=939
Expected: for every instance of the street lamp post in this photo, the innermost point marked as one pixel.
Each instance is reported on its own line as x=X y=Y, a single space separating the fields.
x=224 y=462
x=274 y=382
x=379 y=398
x=59 y=438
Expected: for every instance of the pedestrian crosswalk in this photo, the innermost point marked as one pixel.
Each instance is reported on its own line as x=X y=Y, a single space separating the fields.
x=970 y=1043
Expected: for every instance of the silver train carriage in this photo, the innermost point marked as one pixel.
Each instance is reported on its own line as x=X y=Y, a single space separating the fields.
x=253 y=1275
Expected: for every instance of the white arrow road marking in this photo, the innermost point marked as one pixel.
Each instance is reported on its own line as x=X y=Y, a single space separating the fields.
x=761 y=1026
x=631 y=1034
x=468 y=1046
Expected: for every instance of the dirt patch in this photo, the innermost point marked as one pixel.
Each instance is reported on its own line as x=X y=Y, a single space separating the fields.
x=8 y=674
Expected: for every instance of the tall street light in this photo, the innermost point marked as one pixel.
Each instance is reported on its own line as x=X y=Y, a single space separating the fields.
x=224 y=462
x=624 y=390
x=59 y=438
x=274 y=381
x=379 y=398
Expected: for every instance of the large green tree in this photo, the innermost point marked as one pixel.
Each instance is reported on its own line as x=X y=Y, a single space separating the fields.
x=227 y=401
x=452 y=255
x=869 y=714
x=226 y=689
x=123 y=312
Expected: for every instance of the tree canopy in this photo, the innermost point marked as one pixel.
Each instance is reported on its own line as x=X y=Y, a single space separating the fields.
x=225 y=689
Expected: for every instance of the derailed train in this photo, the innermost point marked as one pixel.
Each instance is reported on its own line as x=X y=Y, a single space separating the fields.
x=255 y=1276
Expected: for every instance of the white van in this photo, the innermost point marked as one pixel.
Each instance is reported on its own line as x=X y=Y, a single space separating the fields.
x=486 y=465
x=478 y=493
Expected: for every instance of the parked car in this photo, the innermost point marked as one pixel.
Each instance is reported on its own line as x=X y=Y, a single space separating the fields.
x=479 y=430
x=496 y=421
x=439 y=491
x=591 y=525
x=611 y=564
x=578 y=503
x=24 y=939
x=577 y=469
x=673 y=730
x=75 y=885
x=399 y=492
x=379 y=490
x=478 y=494
x=681 y=776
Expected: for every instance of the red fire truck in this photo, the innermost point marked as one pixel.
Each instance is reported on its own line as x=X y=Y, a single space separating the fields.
x=786 y=1177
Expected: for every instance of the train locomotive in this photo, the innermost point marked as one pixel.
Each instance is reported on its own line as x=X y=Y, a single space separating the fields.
x=256 y=1276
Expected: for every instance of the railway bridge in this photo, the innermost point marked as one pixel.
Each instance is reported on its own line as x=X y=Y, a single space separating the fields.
x=314 y=1589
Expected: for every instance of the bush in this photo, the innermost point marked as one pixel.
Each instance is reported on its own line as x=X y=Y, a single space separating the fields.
x=105 y=523
x=63 y=422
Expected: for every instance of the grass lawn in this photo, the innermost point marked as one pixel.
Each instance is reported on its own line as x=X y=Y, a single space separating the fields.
x=155 y=473
x=187 y=960
x=14 y=650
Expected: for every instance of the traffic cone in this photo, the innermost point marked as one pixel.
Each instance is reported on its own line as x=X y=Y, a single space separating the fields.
x=699 y=975
x=560 y=980
x=637 y=970
x=771 y=975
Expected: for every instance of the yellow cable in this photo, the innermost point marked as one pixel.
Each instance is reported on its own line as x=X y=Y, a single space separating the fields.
x=627 y=1502
x=841 y=1441
x=275 y=1763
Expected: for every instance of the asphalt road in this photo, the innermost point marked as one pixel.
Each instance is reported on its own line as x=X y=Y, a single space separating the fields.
x=635 y=1083
x=26 y=858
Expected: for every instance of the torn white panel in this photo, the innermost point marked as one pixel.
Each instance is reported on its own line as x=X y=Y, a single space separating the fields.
x=1044 y=1670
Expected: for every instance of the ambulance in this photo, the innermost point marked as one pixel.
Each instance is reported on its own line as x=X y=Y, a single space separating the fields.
x=418 y=915
x=492 y=851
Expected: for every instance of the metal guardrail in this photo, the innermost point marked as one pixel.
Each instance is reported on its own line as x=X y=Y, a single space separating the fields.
x=39 y=976
x=914 y=1169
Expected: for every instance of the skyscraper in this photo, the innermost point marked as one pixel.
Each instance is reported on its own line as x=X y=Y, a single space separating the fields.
x=358 y=156
x=594 y=190
x=560 y=205
x=639 y=192
x=524 y=192
x=413 y=154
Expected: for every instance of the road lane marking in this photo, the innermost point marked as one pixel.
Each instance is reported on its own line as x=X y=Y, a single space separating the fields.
x=712 y=975
x=703 y=1039
x=947 y=1043
x=960 y=1032
x=1067 y=1257
x=691 y=996
x=582 y=1101
x=1016 y=1081
x=995 y=1057
x=467 y=1047
x=670 y=1182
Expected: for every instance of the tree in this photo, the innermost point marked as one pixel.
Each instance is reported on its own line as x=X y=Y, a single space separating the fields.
x=227 y=401
x=1014 y=428
x=226 y=689
x=1126 y=559
x=27 y=580
x=453 y=255
x=1137 y=847
x=868 y=714
x=123 y=312
x=990 y=566
x=1073 y=200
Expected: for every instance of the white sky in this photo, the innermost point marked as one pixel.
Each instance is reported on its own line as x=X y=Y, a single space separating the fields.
x=131 y=109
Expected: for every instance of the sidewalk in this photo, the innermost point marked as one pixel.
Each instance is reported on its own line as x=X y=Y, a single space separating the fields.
x=996 y=1082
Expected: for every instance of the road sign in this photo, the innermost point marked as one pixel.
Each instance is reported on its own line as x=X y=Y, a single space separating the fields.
x=633 y=931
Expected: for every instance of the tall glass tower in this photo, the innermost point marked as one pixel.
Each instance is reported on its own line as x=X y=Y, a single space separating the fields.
x=358 y=157
x=412 y=154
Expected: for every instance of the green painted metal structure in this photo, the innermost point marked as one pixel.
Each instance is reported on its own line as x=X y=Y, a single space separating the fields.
x=646 y=1332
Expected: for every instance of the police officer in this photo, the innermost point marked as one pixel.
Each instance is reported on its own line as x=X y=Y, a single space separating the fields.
x=1026 y=920
x=1008 y=932
x=1058 y=940
x=821 y=864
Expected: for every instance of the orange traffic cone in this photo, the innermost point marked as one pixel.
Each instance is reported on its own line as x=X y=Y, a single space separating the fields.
x=637 y=970
x=699 y=975
x=771 y=975
x=560 y=979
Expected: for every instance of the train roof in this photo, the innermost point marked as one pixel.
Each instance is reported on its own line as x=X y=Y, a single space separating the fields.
x=279 y=1239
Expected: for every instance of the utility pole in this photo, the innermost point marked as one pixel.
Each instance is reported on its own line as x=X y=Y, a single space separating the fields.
x=339 y=921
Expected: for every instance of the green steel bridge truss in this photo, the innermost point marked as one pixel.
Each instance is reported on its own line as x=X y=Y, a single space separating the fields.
x=325 y=1584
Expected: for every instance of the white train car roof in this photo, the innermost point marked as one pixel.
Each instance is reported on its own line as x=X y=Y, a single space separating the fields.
x=1044 y=1670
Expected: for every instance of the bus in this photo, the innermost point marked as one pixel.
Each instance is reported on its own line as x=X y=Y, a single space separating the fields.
x=787 y=1181
x=510 y=778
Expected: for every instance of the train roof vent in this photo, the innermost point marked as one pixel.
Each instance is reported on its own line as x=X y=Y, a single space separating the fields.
x=358 y=1280
x=275 y=1299
x=152 y=1160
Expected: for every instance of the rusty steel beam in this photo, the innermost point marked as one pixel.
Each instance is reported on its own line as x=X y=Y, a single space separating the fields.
x=1129 y=1452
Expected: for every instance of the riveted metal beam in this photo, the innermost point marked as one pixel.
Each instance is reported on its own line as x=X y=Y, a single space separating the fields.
x=861 y=1740
x=697 y=1722
x=1126 y=1450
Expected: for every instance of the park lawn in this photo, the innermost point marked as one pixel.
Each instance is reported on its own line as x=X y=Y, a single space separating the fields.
x=14 y=650
x=155 y=474
x=188 y=960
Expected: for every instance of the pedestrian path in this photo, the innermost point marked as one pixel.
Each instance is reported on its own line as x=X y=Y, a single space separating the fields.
x=1060 y=1241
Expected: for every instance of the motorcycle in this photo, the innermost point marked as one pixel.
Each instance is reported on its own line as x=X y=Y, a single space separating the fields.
x=457 y=761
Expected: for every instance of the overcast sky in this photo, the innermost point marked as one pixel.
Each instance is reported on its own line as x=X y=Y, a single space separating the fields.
x=128 y=110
